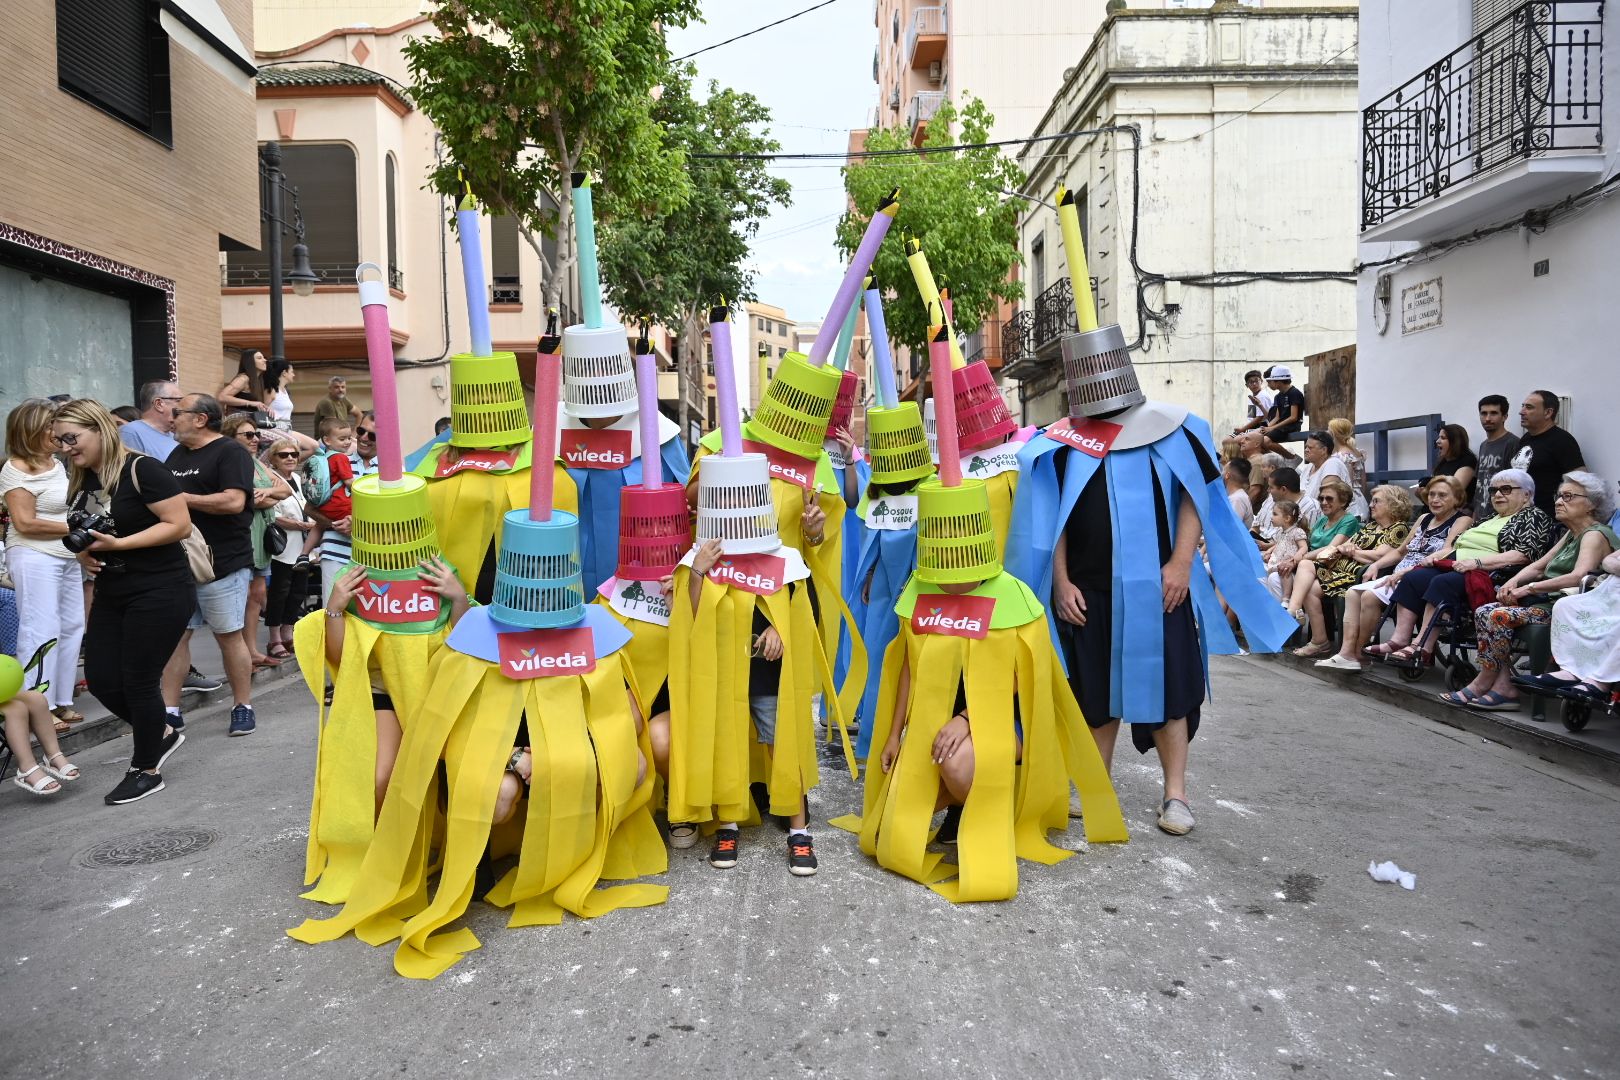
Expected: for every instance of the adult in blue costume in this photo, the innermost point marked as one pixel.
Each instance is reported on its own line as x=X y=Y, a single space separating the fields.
x=1136 y=619
x=597 y=430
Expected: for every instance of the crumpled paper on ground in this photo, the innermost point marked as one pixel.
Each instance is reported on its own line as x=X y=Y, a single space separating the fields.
x=1388 y=871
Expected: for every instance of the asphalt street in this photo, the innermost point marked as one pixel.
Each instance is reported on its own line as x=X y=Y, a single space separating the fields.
x=1256 y=947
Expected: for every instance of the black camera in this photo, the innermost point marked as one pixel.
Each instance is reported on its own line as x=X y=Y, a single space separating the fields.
x=81 y=524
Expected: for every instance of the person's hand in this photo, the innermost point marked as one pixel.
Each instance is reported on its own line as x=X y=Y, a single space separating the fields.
x=813 y=521
x=1177 y=578
x=263 y=499
x=1370 y=574
x=667 y=583
x=1289 y=565
x=91 y=564
x=1069 y=602
x=891 y=751
x=103 y=542
x=525 y=766
x=950 y=738
x=344 y=589
x=440 y=580
x=769 y=644
x=708 y=553
x=343 y=525
x=846 y=440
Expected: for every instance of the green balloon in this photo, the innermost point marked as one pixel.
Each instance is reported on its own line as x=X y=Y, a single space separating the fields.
x=11 y=678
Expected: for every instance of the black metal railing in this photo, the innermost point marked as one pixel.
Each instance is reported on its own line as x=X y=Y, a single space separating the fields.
x=1531 y=83
x=396 y=278
x=1018 y=338
x=330 y=273
x=505 y=292
x=1054 y=314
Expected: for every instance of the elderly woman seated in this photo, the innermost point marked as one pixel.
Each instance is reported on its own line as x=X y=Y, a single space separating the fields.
x=1586 y=640
x=1527 y=597
x=1518 y=535
x=1330 y=570
x=1364 y=603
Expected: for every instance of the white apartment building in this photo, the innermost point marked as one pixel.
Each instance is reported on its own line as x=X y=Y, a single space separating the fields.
x=1483 y=119
x=1218 y=230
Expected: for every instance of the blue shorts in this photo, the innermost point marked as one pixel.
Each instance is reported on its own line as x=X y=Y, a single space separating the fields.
x=222 y=603
x=763 y=710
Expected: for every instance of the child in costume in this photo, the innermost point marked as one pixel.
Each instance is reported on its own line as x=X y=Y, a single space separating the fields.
x=533 y=692
x=1107 y=520
x=973 y=713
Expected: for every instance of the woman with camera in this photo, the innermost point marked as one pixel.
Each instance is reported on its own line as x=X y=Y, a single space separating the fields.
x=50 y=591
x=144 y=590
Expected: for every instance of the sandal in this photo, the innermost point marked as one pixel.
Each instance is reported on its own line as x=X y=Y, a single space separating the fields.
x=45 y=785
x=1461 y=698
x=1494 y=702
x=63 y=727
x=278 y=651
x=1380 y=650
x=1412 y=654
x=66 y=771
x=67 y=714
x=261 y=662
x=1313 y=650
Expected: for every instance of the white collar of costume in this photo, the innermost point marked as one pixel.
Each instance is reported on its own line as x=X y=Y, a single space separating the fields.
x=1147 y=423
x=630 y=422
x=796 y=570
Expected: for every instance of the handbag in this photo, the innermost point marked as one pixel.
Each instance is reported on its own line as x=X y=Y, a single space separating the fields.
x=199 y=556
x=275 y=539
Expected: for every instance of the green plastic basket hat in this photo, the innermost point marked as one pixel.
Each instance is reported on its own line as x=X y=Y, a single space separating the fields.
x=797 y=405
x=955 y=538
x=393 y=526
x=487 y=407
x=537 y=575
x=897 y=444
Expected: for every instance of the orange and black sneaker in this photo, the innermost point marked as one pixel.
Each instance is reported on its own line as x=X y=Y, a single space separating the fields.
x=723 y=856
x=801 y=855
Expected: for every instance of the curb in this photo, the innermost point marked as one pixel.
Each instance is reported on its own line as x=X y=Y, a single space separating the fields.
x=196 y=705
x=1547 y=740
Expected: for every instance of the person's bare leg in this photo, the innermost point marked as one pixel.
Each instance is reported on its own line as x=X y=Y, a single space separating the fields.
x=1351 y=633
x=1105 y=737
x=1170 y=740
x=388 y=739
x=1405 y=626
x=1313 y=609
x=1304 y=578
x=658 y=733
x=250 y=622
x=175 y=671
x=18 y=719
x=238 y=666
x=956 y=772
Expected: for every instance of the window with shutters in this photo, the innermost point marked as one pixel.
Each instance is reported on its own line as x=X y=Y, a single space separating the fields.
x=391 y=209
x=115 y=55
x=506 y=280
x=323 y=176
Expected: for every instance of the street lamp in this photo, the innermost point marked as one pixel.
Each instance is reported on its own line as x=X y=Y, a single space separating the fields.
x=273 y=185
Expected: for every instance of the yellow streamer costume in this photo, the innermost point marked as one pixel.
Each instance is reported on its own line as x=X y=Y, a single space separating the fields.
x=587 y=818
x=344 y=806
x=468 y=506
x=713 y=750
x=825 y=561
x=1012 y=805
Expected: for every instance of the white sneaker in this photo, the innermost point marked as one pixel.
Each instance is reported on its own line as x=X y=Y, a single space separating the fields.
x=1336 y=662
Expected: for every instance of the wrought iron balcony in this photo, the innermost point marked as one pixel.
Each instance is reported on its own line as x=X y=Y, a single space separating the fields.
x=1529 y=86
x=1017 y=341
x=505 y=292
x=1054 y=315
x=927 y=30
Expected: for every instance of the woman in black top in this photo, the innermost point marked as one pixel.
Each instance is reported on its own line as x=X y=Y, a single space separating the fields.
x=1456 y=459
x=144 y=589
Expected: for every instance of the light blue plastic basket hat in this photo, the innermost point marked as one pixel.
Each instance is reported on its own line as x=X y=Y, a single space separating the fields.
x=537 y=576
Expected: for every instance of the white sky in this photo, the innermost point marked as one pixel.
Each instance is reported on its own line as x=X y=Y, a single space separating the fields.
x=814 y=74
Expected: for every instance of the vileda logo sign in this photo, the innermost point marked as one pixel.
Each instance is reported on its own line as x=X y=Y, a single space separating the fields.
x=953 y=616
x=1092 y=437
x=395 y=602
x=758 y=574
x=587 y=448
x=479 y=460
x=536 y=654
x=785 y=466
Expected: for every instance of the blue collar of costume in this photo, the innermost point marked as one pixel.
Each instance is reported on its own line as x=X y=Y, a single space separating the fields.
x=1042 y=509
x=475 y=634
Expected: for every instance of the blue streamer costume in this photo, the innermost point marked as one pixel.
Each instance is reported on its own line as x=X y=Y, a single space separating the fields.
x=852 y=557
x=889 y=556
x=1053 y=476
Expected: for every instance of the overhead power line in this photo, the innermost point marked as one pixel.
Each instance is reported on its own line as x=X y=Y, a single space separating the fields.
x=755 y=30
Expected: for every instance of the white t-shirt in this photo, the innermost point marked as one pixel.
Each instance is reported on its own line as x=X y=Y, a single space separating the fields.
x=281 y=408
x=1266 y=399
x=49 y=489
x=1241 y=504
x=291 y=507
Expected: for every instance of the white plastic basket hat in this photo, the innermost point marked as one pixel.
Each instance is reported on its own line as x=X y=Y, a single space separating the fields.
x=734 y=504
x=930 y=430
x=599 y=376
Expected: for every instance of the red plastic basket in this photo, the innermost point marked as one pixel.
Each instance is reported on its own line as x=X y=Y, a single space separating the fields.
x=982 y=415
x=655 y=531
x=844 y=404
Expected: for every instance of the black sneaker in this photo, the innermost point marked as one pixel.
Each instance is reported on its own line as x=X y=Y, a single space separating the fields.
x=723 y=855
x=196 y=680
x=171 y=743
x=135 y=785
x=948 y=827
x=801 y=855
x=242 y=722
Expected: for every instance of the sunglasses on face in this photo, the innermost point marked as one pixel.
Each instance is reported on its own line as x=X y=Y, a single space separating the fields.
x=287 y=454
x=247 y=433
x=366 y=433
x=1506 y=490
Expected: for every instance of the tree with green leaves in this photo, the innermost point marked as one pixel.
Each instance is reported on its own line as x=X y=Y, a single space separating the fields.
x=956 y=203
x=527 y=92
x=672 y=263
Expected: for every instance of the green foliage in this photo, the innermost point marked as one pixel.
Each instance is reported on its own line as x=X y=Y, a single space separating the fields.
x=672 y=262
x=956 y=204
x=525 y=92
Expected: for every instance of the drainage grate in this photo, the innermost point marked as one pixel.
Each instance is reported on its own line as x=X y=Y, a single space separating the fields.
x=145 y=848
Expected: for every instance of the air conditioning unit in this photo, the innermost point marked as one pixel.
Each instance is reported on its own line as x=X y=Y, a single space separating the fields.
x=936 y=72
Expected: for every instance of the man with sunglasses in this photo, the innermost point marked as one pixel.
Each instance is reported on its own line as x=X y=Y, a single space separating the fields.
x=153 y=433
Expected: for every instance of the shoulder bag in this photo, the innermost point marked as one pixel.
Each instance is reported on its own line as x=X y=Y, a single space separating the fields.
x=198 y=554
